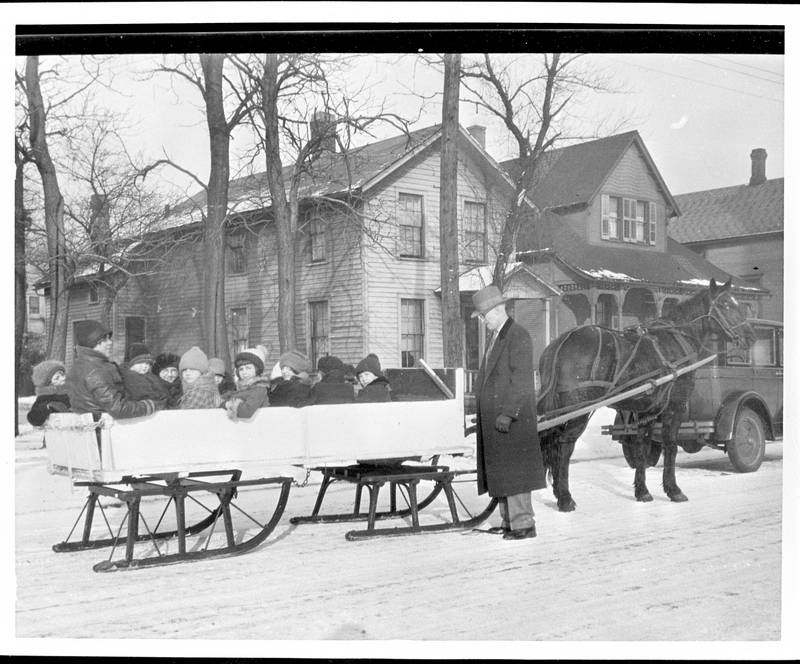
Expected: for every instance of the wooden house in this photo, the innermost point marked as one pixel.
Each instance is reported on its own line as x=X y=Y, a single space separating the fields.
x=740 y=229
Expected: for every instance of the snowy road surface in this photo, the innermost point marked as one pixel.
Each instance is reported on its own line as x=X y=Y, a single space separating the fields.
x=614 y=570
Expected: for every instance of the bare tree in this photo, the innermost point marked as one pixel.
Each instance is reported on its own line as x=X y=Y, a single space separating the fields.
x=302 y=116
x=533 y=101
x=53 y=212
x=448 y=215
x=226 y=103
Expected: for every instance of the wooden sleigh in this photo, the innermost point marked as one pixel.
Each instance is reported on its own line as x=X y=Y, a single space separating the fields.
x=180 y=461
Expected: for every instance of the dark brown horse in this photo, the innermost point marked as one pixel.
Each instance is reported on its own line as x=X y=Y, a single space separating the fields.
x=590 y=363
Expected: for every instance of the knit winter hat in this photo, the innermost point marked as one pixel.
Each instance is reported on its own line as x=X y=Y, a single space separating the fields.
x=296 y=361
x=165 y=360
x=194 y=358
x=256 y=356
x=369 y=363
x=44 y=371
x=216 y=366
x=89 y=332
x=137 y=353
x=329 y=363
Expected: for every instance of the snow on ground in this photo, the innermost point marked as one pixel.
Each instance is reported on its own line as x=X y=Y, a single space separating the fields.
x=614 y=570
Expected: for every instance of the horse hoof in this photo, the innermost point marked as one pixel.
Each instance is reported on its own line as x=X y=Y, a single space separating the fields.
x=645 y=498
x=678 y=497
x=566 y=506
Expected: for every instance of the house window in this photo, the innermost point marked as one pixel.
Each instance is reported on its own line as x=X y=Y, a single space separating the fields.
x=33 y=304
x=318 y=240
x=474 y=231
x=237 y=254
x=412 y=331
x=409 y=218
x=134 y=330
x=238 y=329
x=318 y=330
x=94 y=294
x=628 y=220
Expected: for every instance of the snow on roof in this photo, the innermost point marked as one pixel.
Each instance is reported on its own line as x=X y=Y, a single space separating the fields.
x=480 y=277
x=608 y=274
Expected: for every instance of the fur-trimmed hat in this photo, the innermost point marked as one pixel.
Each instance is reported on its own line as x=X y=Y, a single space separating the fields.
x=194 y=358
x=256 y=356
x=370 y=363
x=88 y=333
x=296 y=361
x=165 y=360
x=329 y=363
x=44 y=371
x=138 y=353
x=216 y=366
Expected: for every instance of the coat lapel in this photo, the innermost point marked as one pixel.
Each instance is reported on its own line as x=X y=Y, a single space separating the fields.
x=497 y=349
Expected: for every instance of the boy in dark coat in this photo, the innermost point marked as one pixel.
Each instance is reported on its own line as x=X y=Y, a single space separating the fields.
x=293 y=387
x=509 y=460
x=374 y=385
x=49 y=378
x=94 y=384
x=252 y=386
x=332 y=388
x=166 y=368
x=139 y=380
x=225 y=383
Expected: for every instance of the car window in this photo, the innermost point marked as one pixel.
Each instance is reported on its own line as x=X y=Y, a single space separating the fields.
x=764 y=350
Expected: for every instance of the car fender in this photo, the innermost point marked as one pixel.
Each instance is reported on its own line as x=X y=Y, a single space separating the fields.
x=726 y=415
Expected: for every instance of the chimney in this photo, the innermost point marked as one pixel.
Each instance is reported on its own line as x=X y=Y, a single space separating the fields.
x=323 y=129
x=758 y=159
x=479 y=134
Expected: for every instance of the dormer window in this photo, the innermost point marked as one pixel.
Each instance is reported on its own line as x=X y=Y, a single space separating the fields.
x=628 y=220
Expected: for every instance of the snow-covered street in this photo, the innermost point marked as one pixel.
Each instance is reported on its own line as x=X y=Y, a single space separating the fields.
x=614 y=570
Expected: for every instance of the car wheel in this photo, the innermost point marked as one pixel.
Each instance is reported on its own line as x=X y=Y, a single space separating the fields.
x=746 y=448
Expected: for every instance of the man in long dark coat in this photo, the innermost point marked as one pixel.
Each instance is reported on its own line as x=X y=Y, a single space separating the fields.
x=509 y=458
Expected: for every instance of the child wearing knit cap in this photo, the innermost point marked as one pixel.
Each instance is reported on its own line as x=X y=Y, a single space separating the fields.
x=49 y=378
x=222 y=378
x=252 y=386
x=197 y=382
x=293 y=387
x=374 y=385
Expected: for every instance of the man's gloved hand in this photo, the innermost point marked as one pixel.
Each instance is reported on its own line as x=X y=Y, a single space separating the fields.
x=57 y=407
x=503 y=423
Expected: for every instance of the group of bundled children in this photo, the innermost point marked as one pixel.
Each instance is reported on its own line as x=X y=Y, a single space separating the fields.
x=144 y=383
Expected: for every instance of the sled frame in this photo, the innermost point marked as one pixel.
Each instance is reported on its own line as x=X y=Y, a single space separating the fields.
x=177 y=488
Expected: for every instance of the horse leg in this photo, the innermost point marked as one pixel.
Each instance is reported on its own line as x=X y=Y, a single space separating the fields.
x=670 y=424
x=641 y=449
x=566 y=447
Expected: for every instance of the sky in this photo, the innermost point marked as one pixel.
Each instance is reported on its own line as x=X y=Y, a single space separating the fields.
x=700 y=115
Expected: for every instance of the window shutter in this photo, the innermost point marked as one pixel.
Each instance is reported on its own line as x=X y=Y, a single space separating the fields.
x=652 y=220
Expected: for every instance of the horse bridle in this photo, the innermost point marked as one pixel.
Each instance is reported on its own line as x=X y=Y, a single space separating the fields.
x=715 y=314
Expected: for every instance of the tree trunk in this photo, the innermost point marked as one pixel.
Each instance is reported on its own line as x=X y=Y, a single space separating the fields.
x=53 y=215
x=282 y=214
x=448 y=216
x=20 y=310
x=213 y=305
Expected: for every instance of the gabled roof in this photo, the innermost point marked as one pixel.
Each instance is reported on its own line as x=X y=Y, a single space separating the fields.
x=679 y=266
x=729 y=212
x=574 y=175
x=336 y=173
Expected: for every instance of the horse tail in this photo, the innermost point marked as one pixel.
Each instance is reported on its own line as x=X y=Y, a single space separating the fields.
x=551 y=454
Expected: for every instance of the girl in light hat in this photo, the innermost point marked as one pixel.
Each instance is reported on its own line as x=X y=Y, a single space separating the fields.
x=197 y=382
x=252 y=386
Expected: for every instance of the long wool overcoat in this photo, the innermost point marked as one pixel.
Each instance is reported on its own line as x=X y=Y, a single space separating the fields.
x=508 y=463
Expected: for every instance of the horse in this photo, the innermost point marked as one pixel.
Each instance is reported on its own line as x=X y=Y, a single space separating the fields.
x=590 y=362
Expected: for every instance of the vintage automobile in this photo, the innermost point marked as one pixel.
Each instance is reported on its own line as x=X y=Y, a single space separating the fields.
x=737 y=404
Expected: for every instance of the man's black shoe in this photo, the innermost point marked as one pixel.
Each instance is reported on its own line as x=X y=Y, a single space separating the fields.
x=522 y=533
x=498 y=530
